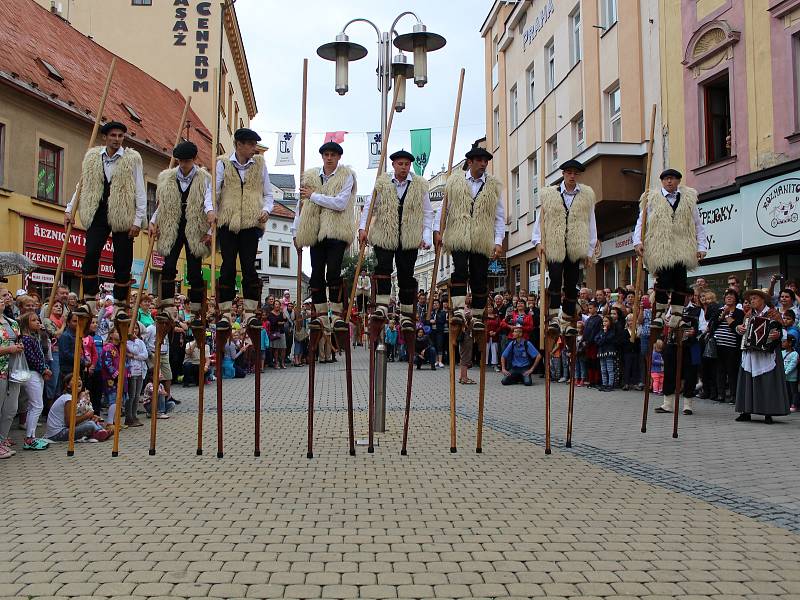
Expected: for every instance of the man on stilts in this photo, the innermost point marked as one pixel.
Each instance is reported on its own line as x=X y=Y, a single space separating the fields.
x=674 y=242
x=568 y=219
x=113 y=201
x=245 y=203
x=182 y=220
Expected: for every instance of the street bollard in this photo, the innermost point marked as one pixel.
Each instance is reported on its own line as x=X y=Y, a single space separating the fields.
x=380 y=388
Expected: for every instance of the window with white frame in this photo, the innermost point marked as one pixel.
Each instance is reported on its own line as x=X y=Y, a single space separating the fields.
x=575 y=50
x=516 y=192
x=495 y=62
x=553 y=147
x=496 y=126
x=512 y=107
x=614 y=115
x=533 y=171
x=579 y=133
x=550 y=65
x=530 y=77
x=609 y=12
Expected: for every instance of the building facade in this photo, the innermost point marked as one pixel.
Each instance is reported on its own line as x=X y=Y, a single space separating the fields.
x=48 y=99
x=730 y=72
x=277 y=257
x=571 y=79
x=178 y=43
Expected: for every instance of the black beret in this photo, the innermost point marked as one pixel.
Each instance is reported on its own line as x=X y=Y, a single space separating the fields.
x=670 y=173
x=402 y=154
x=246 y=135
x=478 y=152
x=113 y=125
x=184 y=151
x=331 y=147
x=572 y=164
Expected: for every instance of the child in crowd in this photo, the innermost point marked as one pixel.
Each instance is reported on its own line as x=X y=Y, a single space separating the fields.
x=136 y=364
x=88 y=426
x=391 y=339
x=109 y=361
x=790 y=369
x=164 y=406
x=30 y=326
x=657 y=367
x=607 y=352
x=581 y=374
x=556 y=373
x=92 y=347
x=493 y=326
x=630 y=355
x=790 y=324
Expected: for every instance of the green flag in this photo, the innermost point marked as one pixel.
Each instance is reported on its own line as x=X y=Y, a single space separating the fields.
x=421 y=149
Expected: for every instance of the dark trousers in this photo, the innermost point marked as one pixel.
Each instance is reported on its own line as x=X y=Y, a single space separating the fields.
x=472 y=268
x=194 y=267
x=630 y=368
x=122 y=258
x=404 y=259
x=672 y=279
x=729 y=360
x=563 y=274
x=326 y=268
x=243 y=245
x=517 y=374
x=430 y=357
x=709 y=368
x=689 y=371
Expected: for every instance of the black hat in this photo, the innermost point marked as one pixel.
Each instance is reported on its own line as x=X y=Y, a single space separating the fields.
x=478 y=152
x=572 y=164
x=402 y=154
x=113 y=125
x=670 y=173
x=331 y=147
x=185 y=151
x=246 y=135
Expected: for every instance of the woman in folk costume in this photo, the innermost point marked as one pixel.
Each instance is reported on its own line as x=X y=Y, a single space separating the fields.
x=182 y=219
x=326 y=224
x=675 y=240
x=401 y=224
x=570 y=231
x=113 y=201
x=474 y=231
x=761 y=388
x=245 y=203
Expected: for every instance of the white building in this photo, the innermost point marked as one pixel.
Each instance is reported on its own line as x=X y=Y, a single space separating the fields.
x=277 y=258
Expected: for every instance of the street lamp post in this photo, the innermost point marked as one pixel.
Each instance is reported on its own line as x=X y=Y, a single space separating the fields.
x=390 y=70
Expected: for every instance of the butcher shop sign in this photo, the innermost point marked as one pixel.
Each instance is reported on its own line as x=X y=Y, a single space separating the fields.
x=775 y=206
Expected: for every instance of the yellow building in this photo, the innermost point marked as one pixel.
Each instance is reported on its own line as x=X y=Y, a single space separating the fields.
x=571 y=79
x=49 y=94
x=178 y=43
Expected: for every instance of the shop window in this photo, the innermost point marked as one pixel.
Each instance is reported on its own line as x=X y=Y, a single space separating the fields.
x=717 y=119
x=285 y=257
x=766 y=267
x=48 y=176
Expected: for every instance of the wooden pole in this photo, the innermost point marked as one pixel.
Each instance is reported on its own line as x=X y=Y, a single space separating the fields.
x=149 y=256
x=161 y=331
x=298 y=307
x=214 y=146
x=78 y=187
x=437 y=252
x=362 y=250
x=638 y=289
x=542 y=258
x=76 y=370
x=122 y=327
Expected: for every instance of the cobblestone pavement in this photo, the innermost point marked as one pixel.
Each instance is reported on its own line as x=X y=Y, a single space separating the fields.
x=621 y=515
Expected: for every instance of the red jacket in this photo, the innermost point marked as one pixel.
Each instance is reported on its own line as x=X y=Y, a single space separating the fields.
x=495 y=324
x=527 y=324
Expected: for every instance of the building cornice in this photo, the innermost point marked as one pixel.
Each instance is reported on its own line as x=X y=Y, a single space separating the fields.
x=234 y=35
x=599 y=149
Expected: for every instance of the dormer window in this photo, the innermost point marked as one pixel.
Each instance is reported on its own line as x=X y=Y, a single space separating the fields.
x=52 y=72
x=132 y=112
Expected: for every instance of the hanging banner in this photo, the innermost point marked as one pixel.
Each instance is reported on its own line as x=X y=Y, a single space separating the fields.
x=373 y=149
x=421 y=149
x=334 y=136
x=285 y=155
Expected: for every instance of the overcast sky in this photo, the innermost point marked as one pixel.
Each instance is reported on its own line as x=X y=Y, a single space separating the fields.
x=279 y=34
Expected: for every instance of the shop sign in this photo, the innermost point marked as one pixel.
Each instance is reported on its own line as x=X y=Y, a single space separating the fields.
x=772 y=207
x=42 y=277
x=202 y=39
x=617 y=245
x=137 y=269
x=722 y=219
x=42 y=243
x=157 y=261
x=531 y=32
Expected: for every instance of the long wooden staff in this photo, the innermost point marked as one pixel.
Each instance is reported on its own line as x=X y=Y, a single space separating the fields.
x=298 y=307
x=214 y=146
x=543 y=301
x=149 y=256
x=437 y=252
x=638 y=291
x=362 y=250
x=92 y=138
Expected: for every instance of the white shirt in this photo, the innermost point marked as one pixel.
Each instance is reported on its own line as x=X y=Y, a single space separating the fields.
x=569 y=198
x=702 y=240
x=427 y=209
x=269 y=202
x=184 y=181
x=499 y=217
x=337 y=202
x=109 y=166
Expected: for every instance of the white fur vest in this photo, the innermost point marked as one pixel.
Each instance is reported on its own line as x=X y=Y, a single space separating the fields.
x=470 y=224
x=386 y=229
x=168 y=196
x=670 y=237
x=566 y=237
x=241 y=205
x=122 y=196
x=318 y=223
